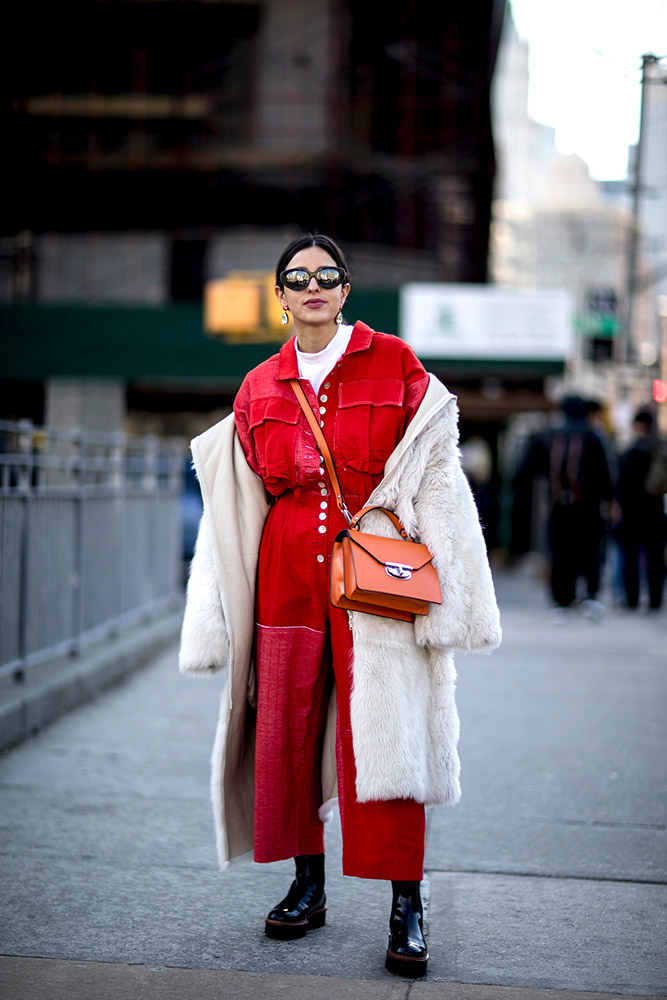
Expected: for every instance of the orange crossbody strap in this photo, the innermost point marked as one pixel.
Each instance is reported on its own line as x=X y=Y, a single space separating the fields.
x=328 y=461
x=323 y=446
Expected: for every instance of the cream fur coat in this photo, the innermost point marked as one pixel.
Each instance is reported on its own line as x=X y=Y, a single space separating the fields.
x=405 y=726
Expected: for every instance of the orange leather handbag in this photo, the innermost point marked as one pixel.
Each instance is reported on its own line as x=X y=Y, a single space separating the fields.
x=391 y=577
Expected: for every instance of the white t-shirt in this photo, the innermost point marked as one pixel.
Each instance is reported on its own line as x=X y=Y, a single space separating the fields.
x=315 y=367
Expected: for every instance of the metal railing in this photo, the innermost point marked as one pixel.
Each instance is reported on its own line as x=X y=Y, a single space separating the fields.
x=90 y=537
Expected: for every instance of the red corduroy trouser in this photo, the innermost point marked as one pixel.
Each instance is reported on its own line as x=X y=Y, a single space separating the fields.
x=301 y=638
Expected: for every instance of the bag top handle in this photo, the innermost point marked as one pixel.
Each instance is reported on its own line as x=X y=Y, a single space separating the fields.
x=328 y=460
x=390 y=514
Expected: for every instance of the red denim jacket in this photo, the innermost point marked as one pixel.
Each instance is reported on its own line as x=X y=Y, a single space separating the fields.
x=364 y=406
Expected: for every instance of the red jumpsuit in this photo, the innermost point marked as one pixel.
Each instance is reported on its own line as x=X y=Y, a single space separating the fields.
x=364 y=406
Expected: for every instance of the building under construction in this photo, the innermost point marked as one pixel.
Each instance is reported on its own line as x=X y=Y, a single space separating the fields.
x=159 y=145
x=192 y=122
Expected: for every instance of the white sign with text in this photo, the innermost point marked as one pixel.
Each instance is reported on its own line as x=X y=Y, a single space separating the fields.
x=483 y=321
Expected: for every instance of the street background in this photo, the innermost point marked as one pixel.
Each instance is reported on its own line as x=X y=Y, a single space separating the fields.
x=160 y=158
x=550 y=874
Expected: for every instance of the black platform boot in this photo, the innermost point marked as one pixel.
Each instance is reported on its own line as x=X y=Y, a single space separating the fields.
x=304 y=906
x=406 y=954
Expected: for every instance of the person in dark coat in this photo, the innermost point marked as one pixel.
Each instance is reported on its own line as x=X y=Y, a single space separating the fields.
x=642 y=526
x=573 y=460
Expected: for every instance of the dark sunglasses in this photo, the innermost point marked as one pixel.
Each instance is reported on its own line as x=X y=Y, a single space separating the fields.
x=298 y=278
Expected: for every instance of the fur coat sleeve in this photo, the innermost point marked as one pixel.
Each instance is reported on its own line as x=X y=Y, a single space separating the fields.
x=405 y=724
x=204 y=636
x=219 y=610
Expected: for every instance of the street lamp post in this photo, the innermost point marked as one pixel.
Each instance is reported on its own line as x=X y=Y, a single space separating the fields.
x=625 y=342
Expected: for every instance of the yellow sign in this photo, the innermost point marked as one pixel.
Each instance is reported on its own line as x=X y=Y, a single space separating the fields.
x=243 y=307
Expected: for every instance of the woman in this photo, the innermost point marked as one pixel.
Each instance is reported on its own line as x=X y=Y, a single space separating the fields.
x=258 y=602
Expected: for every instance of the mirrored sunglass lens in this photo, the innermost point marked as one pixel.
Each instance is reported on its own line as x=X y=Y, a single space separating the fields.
x=328 y=276
x=297 y=277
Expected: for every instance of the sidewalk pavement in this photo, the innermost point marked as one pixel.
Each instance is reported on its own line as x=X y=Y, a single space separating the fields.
x=62 y=683
x=550 y=875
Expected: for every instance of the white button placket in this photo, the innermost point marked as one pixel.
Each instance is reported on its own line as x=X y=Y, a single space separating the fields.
x=322 y=482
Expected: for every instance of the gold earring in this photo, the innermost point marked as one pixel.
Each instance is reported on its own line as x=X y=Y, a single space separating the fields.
x=284 y=319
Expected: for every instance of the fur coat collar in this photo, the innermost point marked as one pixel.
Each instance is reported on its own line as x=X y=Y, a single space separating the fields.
x=405 y=725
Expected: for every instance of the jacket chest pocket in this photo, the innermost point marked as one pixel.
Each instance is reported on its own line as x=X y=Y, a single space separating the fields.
x=273 y=425
x=369 y=423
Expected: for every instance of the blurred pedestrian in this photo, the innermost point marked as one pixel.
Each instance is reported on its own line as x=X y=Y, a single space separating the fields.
x=572 y=459
x=595 y=418
x=477 y=462
x=641 y=532
x=270 y=518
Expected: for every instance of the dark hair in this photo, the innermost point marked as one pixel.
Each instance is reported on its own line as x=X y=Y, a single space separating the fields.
x=645 y=417
x=310 y=240
x=574 y=407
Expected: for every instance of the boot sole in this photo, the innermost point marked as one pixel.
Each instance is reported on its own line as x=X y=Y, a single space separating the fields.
x=400 y=965
x=286 y=931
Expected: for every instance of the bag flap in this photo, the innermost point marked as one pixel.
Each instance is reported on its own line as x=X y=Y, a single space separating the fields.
x=392 y=550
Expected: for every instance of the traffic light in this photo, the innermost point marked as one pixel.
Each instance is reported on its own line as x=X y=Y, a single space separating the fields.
x=243 y=306
x=231 y=306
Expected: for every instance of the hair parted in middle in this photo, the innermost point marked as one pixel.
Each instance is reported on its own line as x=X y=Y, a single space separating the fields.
x=310 y=240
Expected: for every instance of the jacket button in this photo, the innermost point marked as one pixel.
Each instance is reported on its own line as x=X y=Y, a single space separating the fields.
x=322 y=485
x=322 y=528
x=324 y=505
x=320 y=558
x=323 y=399
x=323 y=516
x=326 y=385
x=323 y=409
x=321 y=423
x=324 y=493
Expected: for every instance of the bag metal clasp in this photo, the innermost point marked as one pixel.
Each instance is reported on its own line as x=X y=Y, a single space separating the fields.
x=399 y=571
